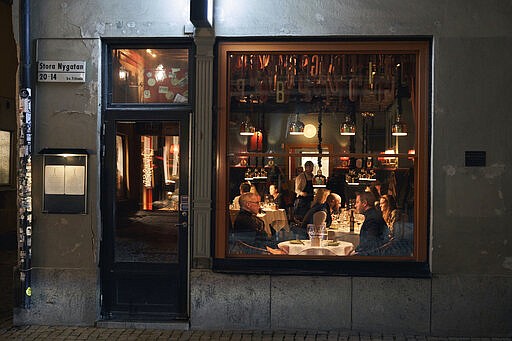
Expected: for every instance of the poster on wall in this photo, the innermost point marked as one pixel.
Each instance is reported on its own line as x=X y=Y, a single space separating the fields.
x=5 y=157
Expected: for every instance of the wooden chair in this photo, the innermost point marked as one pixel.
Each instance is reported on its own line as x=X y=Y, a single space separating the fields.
x=241 y=247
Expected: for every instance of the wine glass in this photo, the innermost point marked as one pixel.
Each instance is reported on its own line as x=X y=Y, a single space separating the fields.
x=278 y=225
x=322 y=232
x=311 y=231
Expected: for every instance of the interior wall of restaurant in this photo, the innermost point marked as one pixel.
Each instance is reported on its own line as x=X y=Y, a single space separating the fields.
x=470 y=207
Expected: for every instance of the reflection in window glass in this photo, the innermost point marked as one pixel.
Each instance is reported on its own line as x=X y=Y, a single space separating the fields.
x=309 y=133
x=150 y=76
x=147 y=191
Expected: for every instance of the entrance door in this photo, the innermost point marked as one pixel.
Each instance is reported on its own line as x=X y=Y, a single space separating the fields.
x=145 y=219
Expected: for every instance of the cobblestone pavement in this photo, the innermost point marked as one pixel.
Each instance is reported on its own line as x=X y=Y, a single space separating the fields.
x=10 y=332
x=93 y=333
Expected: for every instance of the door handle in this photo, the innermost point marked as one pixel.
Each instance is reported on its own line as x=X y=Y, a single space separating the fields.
x=184 y=224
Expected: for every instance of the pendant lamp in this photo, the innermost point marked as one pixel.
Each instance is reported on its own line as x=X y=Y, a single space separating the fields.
x=348 y=127
x=296 y=127
x=398 y=128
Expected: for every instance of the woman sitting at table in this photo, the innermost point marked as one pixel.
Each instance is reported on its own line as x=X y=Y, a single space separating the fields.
x=318 y=204
x=323 y=214
x=391 y=215
x=276 y=197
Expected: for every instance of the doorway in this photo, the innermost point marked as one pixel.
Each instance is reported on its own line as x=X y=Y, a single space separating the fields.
x=145 y=219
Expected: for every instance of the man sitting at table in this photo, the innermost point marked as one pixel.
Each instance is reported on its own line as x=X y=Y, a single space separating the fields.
x=373 y=231
x=248 y=227
x=322 y=213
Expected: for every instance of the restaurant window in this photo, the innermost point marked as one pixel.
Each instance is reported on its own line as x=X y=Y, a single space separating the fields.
x=150 y=76
x=358 y=111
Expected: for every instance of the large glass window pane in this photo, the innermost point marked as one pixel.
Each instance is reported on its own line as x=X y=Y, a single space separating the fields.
x=150 y=76
x=353 y=115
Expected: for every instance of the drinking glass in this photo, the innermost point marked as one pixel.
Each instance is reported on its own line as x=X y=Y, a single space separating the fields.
x=322 y=232
x=311 y=230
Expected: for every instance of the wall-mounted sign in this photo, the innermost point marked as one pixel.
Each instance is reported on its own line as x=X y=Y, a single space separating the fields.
x=61 y=71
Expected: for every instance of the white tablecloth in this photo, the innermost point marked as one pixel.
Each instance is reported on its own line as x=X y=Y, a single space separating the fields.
x=269 y=216
x=341 y=232
x=341 y=249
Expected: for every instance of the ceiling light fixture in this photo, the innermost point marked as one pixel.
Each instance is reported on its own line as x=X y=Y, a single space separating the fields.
x=309 y=131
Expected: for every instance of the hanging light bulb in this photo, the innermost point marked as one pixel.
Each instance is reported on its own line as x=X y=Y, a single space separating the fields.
x=398 y=128
x=347 y=128
x=296 y=127
x=246 y=128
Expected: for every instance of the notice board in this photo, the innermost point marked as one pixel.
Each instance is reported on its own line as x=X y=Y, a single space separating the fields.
x=65 y=181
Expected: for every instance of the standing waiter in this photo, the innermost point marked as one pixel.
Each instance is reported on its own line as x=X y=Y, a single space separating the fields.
x=304 y=191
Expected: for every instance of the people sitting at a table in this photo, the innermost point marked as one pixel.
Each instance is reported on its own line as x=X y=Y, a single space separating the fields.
x=248 y=227
x=276 y=197
x=391 y=215
x=374 y=230
x=245 y=187
x=318 y=204
x=324 y=214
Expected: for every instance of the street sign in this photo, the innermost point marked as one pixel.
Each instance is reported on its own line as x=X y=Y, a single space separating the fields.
x=61 y=71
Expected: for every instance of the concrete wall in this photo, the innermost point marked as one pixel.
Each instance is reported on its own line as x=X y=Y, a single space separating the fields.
x=470 y=212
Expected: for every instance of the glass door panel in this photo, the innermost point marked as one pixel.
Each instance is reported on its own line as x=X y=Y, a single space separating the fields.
x=147 y=192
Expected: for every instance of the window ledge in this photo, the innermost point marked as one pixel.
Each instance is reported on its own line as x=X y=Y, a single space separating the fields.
x=322 y=268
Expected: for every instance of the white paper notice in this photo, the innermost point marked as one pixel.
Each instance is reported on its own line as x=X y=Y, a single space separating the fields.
x=54 y=180
x=5 y=156
x=74 y=180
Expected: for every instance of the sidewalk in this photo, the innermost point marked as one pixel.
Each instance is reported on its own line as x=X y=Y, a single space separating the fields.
x=91 y=333
x=10 y=332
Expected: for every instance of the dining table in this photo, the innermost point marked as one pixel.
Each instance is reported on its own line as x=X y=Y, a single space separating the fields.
x=327 y=247
x=340 y=231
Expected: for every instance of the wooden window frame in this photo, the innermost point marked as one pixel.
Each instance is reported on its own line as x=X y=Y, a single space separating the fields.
x=421 y=48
